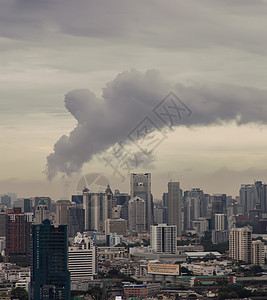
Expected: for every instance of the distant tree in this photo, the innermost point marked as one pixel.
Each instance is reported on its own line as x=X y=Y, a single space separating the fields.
x=19 y=293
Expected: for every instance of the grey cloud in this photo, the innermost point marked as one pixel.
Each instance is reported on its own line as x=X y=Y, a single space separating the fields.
x=129 y=98
x=172 y=24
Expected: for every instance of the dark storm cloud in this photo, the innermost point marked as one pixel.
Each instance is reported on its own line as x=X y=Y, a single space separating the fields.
x=156 y=23
x=133 y=95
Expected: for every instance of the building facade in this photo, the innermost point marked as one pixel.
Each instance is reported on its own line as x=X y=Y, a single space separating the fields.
x=163 y=238
x=137 y=214
x=175 y=206
x=50 y=278
x=141 y=187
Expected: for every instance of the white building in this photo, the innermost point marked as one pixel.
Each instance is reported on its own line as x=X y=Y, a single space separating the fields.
x=82 y=258
x=240 y=243
x=219 y=222
x=163 y=238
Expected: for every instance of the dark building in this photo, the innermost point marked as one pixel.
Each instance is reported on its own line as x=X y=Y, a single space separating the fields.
x=218 y=204
x=75 y=217
x=165 y=207
x=27 y=205
x=17 y=237
x=78 y=199
x=122 y=198
x=50 y=278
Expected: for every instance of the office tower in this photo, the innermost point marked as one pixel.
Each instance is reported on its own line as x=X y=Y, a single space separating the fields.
x=50 y=278
x=248 y=197
x=93 y=211
x=204 y=202
x=109 y=203
x=175 y=206
x=118 y=226
x=192 y=206
x=158 y=213
x=220 y=222
x=5 y=199
x=75 y=220
x=62 y=211
x=240 y=244
x=122 y=198
x=82 y=262
x=17 y=236
x=47 y=200
x=141 y=187
x=165 y=207
x=258 y=253
x=41 y=212
x=137 y=214
x=163 y=238
x=78 y=199
x=218 y=204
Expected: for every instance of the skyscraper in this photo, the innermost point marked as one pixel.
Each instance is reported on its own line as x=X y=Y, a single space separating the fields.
x=50 y=278
x=240 y=240
x=137 y=214
x=17 y=236
x=141 y=187
x=218 y=204
x=163 y=238
x=248 y=197
x=62 y=211
x=192 y=206
x=41 y=212
x=175 y=206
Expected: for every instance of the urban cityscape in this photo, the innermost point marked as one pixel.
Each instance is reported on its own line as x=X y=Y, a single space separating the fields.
x=112 y=245
x=133 y=149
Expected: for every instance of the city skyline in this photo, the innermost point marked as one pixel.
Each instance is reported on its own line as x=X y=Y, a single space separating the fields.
x=99 y=74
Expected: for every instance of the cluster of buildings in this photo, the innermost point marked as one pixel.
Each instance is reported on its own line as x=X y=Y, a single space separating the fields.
x=66 y=243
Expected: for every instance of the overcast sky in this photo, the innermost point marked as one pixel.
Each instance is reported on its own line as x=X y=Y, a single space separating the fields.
x=79 y=77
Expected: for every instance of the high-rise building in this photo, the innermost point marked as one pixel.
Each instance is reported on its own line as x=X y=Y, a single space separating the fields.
x=240 y=243
x=47 y=200
x=41 y=212
x=82 y=262
x=50 y=278
x=218 y=204
x=220 y=222
x=163 y=238
x=93 y=211
x=165 y=207
x=141 y=187
x=118 y=226
x=200 y=225
x=62 y=211
x=109 y=202
x=175 y=206
x=248 y=197
x=258 y=253
x=137 y=214
x=5 y=199
x=75 y=220
x=17 y=236
x=192 y=206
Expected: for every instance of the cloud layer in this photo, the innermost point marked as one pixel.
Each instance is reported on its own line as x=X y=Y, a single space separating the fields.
x=133 y=95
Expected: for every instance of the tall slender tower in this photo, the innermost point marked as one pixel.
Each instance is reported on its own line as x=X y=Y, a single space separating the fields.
x=50 y=278
x=141 y=187
x=175 y=206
